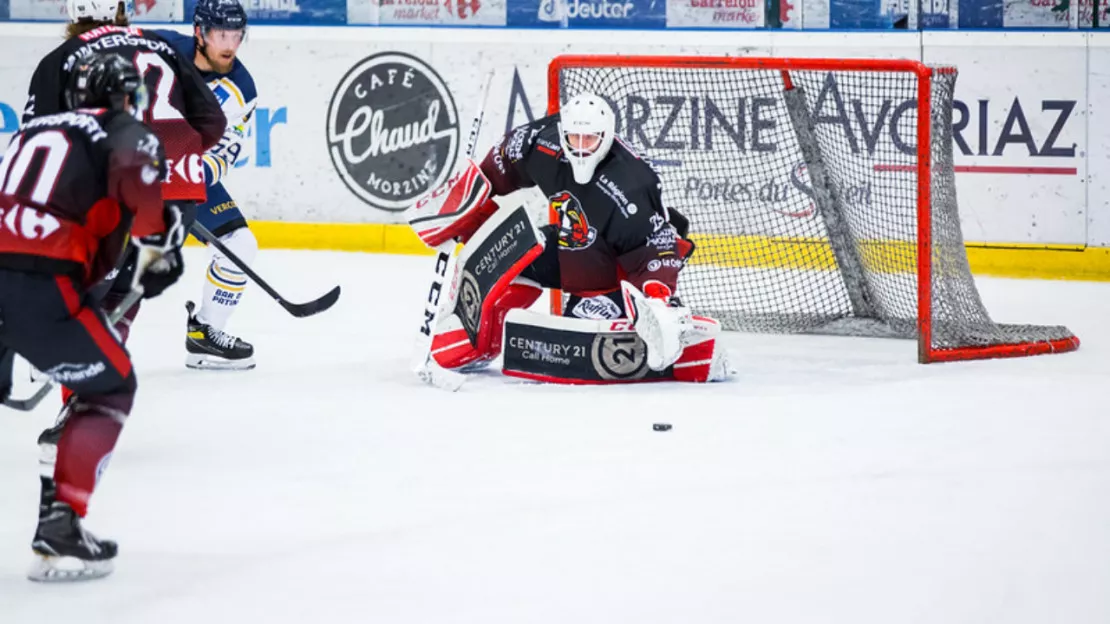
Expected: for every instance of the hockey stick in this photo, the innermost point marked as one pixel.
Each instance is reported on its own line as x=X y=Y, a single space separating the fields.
x=436 y=303
x=299 y=310
x=31 y=402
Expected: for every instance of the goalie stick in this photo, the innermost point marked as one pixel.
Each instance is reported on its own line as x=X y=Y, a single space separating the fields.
x=424 y=365
x=299 y=310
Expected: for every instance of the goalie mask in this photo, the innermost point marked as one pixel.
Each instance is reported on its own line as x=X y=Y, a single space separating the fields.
x=586 y=129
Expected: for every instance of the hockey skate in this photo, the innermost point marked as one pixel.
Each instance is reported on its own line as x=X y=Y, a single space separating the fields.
x=209 y=348
x=65 y=551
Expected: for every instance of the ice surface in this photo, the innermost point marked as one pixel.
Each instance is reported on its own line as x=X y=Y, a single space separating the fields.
x=835 y=480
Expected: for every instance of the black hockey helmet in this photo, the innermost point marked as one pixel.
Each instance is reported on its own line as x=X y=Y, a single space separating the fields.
x=220 y=15
x=106 y=81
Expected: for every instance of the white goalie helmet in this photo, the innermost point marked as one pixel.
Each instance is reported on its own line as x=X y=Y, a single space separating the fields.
x=98 y=10
x=586 y=130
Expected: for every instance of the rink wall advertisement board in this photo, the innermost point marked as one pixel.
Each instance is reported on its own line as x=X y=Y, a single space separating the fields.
x=145 y=10
x=372 y=120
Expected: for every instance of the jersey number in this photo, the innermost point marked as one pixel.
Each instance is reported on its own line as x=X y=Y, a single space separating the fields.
x=17 y=163
x=161 y=108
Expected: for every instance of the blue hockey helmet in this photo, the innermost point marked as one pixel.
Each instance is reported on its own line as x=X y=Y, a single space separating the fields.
x=220 y=15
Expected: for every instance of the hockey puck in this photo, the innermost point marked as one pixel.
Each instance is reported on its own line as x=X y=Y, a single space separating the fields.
x=661 y=427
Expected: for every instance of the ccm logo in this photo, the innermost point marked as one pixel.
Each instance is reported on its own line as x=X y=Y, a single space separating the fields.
x=189 y=169
x=438 y=191
x=621 y=326
x=29 y=223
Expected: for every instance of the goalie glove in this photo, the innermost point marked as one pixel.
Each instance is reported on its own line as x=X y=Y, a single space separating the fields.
x=661 y=325
x=455 y=210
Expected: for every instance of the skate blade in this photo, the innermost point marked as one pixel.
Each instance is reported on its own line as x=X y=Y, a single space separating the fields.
x=211 y=362
x=48 y=569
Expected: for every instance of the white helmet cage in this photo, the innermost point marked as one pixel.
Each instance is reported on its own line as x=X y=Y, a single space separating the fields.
x=586 y=114
x=98 y=10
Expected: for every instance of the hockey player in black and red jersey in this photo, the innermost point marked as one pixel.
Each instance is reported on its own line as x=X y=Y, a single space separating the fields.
x=74 y=186
x=616 y=251
x=183 y=112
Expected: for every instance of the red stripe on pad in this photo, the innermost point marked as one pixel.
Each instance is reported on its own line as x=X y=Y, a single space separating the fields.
x=93 y=324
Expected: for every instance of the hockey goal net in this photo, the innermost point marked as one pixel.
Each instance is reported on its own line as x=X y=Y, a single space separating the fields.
x=821 y=194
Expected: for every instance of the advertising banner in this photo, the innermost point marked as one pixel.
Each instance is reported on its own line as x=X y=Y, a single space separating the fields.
x=368 y=125
x=55 y=10
x=1098 y=154
x=1028 y=13
x=588 y=13
x=882 y=14
x=314 y=12
x=715 y=14
x=1020 y=133
x=443 y=12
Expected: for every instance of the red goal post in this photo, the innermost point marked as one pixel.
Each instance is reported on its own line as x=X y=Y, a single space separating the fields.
x=882 y=218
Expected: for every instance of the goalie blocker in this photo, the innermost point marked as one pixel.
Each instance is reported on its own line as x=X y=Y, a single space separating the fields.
x=486 y=297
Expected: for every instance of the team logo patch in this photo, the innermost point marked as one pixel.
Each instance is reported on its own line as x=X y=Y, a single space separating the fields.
x=575 y=231
x=599 y=307
x=392 y=130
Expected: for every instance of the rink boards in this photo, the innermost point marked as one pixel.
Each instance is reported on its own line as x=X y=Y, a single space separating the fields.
x=322 y=171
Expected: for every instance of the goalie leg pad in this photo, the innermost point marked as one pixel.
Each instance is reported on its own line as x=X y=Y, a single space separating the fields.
x=568 y=350
x=452 y=348
x=487 y=283
x=702 y=359
x=455 y=210
x=660 y=325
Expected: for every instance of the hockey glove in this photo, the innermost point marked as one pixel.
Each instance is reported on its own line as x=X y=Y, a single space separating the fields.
x=160 y=264
x=455 y=210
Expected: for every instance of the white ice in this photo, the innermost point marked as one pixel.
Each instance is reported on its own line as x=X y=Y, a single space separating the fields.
x=834 y=481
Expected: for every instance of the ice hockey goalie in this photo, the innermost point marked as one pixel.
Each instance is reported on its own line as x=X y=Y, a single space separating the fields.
x=616 y=251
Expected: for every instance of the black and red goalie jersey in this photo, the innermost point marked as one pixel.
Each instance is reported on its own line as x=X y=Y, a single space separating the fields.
x=73 y=185
x=612 y=228
x=183 y=112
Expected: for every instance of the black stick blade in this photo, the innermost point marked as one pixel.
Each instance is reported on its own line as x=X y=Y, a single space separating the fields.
x=30 y=403
x=301 y=310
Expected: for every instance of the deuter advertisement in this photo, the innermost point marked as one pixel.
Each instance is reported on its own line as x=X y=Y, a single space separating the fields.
x=588 y=13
